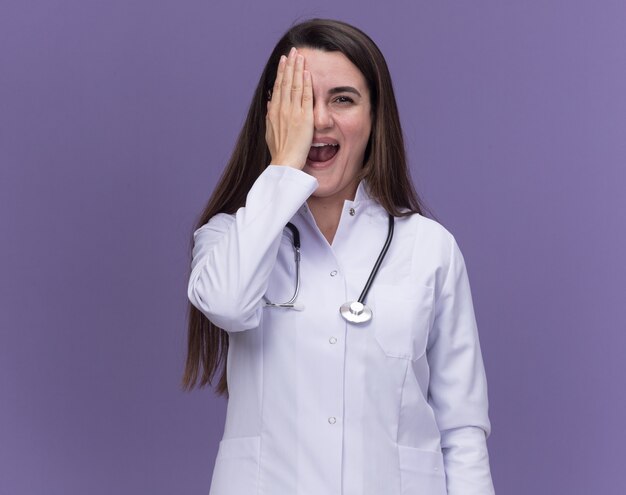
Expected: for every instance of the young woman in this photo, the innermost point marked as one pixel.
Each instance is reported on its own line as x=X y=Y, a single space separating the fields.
x=341 y=318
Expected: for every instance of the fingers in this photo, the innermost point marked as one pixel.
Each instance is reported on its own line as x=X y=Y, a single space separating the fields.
x=289 y=85
x=287 y=79
x=289 y=118
x=307 y=92
x=297 y=81
x=277 y=82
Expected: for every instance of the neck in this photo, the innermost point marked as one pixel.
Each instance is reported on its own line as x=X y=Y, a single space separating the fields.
x=327 y=212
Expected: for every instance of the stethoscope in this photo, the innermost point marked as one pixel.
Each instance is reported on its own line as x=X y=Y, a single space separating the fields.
x=352 y=311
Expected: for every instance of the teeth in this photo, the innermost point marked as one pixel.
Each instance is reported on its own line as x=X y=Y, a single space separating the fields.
x=319 y=145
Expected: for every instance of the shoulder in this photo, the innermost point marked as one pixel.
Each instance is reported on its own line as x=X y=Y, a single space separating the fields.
x=427 y=233
x=217 y=224
x=431 y=246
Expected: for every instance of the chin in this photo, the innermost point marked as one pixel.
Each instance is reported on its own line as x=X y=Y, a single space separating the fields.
x=335 y=177
x=328 y=189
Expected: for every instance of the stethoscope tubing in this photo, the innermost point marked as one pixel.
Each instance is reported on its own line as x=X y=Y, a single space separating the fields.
x=379 y=261
x=351 y=311
x=291 y=304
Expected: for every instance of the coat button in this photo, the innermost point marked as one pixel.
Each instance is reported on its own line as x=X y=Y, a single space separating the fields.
x=332 y=340
x=332 y=420
x=352 y=212
x=333 y=273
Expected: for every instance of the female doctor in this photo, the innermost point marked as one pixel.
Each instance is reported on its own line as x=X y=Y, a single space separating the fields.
x=341 y=318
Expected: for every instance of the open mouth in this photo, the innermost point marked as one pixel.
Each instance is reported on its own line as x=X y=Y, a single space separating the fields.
x=322 y=152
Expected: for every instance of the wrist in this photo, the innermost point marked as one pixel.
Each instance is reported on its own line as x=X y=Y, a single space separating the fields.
x=287 y=161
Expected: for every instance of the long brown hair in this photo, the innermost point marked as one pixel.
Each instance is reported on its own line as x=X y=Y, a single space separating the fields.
x=384 y=168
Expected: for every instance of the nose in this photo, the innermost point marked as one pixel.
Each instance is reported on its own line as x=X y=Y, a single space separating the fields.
x=322 y=119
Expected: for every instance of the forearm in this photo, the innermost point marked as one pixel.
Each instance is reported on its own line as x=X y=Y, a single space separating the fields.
x=458 y=385
x=234 y=255
x=466 y=461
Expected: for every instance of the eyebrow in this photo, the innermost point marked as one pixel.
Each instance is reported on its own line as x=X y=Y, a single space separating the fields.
x=343 y=89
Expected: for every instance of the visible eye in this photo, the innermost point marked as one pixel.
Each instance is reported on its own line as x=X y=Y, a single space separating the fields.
x=343 y=99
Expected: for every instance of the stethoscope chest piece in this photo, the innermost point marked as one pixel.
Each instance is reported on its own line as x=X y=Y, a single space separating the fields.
x=355 y=312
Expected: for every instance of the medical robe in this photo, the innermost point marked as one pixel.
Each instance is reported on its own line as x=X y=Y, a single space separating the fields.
x=319 y=406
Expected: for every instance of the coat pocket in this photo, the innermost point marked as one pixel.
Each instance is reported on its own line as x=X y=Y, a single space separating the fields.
x=421 y=472
x=402 y=318
x=236 y=470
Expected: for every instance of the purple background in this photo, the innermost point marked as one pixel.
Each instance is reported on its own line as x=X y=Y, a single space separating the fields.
x=116 y=119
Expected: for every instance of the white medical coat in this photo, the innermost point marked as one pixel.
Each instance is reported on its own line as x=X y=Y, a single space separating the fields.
x=319 y=406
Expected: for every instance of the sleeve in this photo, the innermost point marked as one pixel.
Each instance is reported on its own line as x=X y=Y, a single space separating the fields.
x=233 y=255
x=458 y=386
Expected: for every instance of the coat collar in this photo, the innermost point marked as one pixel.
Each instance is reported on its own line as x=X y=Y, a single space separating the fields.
x=363 y=202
